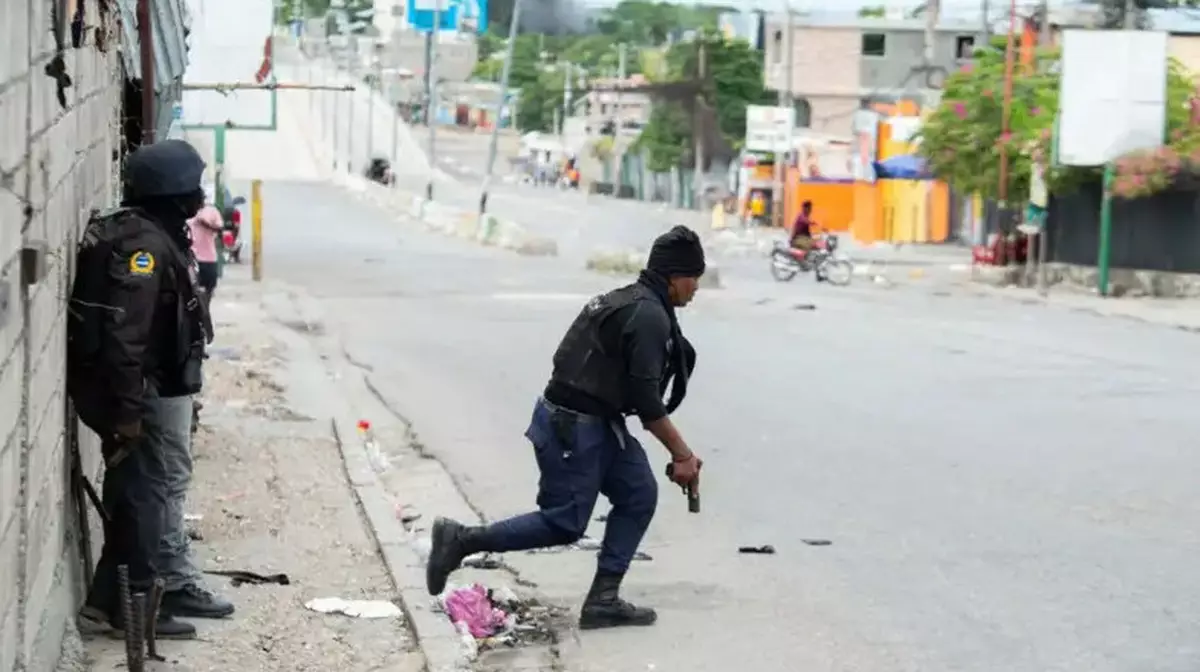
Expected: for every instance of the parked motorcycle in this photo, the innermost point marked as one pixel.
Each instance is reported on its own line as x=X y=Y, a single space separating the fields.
x=380 y=170
x=822 y=260
x=231 y=236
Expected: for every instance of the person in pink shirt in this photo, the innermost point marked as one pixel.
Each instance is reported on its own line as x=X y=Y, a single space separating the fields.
x=205 y=228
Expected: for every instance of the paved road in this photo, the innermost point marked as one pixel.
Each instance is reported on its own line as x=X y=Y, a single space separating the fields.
x=1006 y=487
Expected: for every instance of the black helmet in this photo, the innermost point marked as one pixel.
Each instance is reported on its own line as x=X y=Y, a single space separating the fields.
x=167 y=168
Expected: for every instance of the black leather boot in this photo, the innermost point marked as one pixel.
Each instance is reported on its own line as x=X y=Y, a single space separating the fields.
x=604 y=608
x=450 y=542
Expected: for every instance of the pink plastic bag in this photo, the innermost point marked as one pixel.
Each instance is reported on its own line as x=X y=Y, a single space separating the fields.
x=471 y=606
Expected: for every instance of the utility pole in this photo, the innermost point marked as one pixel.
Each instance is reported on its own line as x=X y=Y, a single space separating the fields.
x=1130 y=15
x=504 y=75
x=787 y=103
x=618 y=120
x=929 y=99
x=985 y=29
x=698 y=125
x=376 y=71
x=431 y=95
x=146 y=38
x=568 y=95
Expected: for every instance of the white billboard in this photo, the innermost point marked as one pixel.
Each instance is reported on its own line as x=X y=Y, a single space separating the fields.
x=1112 y=94
x=229 y=44
x=769 y=128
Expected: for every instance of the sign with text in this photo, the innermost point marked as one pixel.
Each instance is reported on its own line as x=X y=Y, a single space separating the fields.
x=769 y=128
x=462 y=16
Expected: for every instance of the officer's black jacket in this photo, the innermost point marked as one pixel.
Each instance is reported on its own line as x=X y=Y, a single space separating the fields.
x=635 y=338
x=141 y=342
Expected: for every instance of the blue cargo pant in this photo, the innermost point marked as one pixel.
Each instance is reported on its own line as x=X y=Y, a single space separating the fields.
x=580 y=457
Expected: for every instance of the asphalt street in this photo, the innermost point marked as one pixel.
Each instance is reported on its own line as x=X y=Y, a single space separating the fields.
x=1004 y=487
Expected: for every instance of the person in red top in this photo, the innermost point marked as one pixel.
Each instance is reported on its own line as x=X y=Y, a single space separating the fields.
x=801 y=237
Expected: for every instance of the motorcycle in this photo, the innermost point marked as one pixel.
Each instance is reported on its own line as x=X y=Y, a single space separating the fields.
x=231 y=236
x=822 y=260
x=380 y=171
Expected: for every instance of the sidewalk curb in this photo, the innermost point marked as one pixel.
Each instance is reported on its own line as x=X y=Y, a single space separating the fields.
x=449 y=220
x=631 y=262
x=436 y=637
x=1031 y=297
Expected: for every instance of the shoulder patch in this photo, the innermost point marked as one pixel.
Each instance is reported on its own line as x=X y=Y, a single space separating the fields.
x=141 y=263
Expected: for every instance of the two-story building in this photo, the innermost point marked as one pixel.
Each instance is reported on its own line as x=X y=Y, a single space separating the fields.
x=840 y=66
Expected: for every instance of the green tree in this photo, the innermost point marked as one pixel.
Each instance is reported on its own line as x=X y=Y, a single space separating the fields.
x=962 y=139
x=734 y=80
x=539 y=98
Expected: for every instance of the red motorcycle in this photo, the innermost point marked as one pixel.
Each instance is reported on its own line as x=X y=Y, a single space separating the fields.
x=231 y=237
x=823 y=260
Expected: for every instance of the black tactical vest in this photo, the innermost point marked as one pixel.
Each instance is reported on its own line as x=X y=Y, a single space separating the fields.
x=583 y=360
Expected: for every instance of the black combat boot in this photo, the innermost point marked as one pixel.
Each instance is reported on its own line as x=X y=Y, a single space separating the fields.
x=603 y=608
x=450 y=542
x=167 y=626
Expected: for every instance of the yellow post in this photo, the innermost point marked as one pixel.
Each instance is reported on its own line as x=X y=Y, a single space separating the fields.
x=256 y=229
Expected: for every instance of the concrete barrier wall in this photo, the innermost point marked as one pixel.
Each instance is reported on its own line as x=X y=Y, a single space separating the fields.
x=55 y=166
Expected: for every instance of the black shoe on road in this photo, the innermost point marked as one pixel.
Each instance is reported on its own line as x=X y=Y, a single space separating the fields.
x=450 y=542
x=194 y=601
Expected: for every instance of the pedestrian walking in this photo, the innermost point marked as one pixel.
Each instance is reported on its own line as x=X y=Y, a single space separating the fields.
x=205 y=227
x=136 y=334
x=617 y=359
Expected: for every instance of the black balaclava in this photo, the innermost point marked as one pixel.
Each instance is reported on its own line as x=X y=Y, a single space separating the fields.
x=676 y=253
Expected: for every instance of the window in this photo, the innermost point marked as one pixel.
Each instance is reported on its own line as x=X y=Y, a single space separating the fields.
x=803 y=112
x=964 y=47
x=874 y=44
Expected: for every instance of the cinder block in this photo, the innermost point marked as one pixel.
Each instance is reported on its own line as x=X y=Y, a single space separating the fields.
x=44 y=550
x=8 y=636
x=14 y=99
x=14 y=50
x=10 y=539
x=10 y=496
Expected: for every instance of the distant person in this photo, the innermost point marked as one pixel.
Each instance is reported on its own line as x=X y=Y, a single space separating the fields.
x=801 y=235
x=205 y=227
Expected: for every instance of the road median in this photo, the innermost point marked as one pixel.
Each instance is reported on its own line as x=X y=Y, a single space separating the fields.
x=449 y=220
x=630 y=262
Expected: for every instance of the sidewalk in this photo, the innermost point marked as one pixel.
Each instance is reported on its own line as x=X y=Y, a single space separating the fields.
x=272 y=496
x=1178 y=313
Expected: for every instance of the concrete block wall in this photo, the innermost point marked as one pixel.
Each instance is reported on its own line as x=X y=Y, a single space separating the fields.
x=56 y=164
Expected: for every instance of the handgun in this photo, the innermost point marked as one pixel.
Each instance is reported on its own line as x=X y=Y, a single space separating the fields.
x=689 y=489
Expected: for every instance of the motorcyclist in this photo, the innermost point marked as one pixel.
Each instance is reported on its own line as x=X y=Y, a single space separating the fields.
x=801 y=235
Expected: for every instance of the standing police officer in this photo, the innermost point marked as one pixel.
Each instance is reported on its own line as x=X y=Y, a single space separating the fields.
x=136 y=336
x=616 y=359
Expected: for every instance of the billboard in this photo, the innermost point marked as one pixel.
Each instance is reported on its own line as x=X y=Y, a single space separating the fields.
x=1113 y=94
x=769 y=128
x=461 y=16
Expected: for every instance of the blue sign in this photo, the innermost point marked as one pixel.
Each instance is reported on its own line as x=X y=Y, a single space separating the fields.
x=463 y=16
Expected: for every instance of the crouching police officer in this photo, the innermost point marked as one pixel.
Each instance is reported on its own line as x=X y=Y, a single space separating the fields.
x=136 y=337
x=617 y=359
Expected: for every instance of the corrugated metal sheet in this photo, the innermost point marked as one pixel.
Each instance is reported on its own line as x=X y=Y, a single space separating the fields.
x=169 y=18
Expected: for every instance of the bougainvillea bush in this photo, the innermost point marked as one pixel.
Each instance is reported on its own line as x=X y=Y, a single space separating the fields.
x=962 y=139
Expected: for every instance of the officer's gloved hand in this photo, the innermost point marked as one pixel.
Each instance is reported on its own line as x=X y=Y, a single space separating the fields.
x=125 y=437
x=129 y=431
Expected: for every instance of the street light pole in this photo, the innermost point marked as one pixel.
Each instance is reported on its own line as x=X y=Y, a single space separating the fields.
x=505 y=73
x=431 y=104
